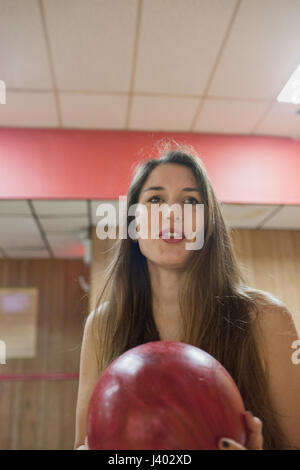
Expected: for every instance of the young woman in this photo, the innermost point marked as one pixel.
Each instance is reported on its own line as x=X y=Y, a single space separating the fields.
x=156 y=290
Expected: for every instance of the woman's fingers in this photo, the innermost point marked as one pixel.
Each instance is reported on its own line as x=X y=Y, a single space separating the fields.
x=82 y=447
x=255 y=439
x=230 y=444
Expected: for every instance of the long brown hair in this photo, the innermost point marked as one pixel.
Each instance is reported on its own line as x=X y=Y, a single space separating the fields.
x=218 y=308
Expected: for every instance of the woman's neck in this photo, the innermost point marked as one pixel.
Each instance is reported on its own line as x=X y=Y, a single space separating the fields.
x=165 y=303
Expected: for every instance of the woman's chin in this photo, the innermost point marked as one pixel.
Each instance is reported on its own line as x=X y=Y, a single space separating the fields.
x=169 y=261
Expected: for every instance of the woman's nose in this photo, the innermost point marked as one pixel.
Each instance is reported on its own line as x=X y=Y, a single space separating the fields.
x=172 y=211
x=176 y=217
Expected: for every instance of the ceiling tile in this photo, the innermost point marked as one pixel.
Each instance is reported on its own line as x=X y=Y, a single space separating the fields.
x=14 y=207
x=287 y=218
x=28 y=109
x=281 y=120
x=178 y=44
x=65 y=237
x=92 y=43
x=229 y=116
x=162 y=113
x=19 y=231
x=262 y=50
x=60 y=207
x=246 y=216
x=23 y=53
x=64 y=224
x=93 y=111
x=67 y=245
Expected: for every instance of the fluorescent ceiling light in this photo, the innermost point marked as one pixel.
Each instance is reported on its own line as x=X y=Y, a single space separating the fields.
x=291 y=91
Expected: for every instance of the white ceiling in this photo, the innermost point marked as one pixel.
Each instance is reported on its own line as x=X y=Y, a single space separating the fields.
x=213 y=66
x=57 y=229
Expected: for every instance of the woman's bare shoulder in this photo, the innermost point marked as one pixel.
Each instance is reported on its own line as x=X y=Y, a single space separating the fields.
x=278 y=340
x=268 y=300
x=265 y=305
x=264 y=299
x=268 y=318
x=274 y=324
x=270 y=309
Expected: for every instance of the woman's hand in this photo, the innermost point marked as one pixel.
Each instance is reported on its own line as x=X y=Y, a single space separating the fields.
x=84 y=446
x=255 y=439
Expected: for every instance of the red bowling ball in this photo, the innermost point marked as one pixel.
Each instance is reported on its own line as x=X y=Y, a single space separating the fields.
x=165 y=395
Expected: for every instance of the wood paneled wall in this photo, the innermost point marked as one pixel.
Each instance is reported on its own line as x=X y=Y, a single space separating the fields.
x=270 y=260
x=41 y=414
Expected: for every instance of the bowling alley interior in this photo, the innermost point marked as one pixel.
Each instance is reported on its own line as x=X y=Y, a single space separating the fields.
x=89 y=90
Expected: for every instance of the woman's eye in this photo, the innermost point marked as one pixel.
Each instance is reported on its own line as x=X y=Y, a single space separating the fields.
x=153 y=197
x=190 y=198
x=194 y=200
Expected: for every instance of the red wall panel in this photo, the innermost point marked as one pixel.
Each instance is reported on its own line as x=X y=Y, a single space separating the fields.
x=96 y=164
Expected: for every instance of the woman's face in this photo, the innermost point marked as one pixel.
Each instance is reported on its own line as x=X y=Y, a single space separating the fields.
x=172 y=179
